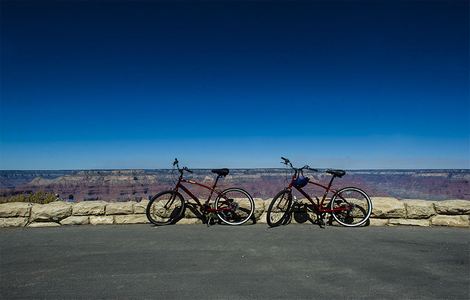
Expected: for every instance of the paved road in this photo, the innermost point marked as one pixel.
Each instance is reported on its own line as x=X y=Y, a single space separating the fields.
x=249 y=262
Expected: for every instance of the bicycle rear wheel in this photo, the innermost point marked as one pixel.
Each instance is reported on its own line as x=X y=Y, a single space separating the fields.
x=234 y=206
x=165 y=208
x=279 y=209
x=353 y=207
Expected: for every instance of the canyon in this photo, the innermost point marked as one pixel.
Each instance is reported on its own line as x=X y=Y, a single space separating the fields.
x=135 y=185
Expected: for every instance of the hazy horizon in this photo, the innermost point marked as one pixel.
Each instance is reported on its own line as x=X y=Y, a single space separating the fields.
x=208 y=169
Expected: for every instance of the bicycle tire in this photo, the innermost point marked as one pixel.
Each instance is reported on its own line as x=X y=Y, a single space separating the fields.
x=351 y=218
x=239 y=209
x=283 y=218
x=156 y=212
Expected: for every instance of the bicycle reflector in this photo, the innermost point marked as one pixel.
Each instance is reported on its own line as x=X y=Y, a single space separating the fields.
x=301 y=181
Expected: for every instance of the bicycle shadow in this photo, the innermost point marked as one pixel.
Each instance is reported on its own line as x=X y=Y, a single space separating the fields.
x=331 y=222
x=303 y=215
x=300 y=217
x=252 y=220
x=194 y=212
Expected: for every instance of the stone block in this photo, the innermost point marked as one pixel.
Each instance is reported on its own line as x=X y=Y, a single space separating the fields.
x=419 y=209
x=409 y=222
x=453 y=207
x=131 y=219
x=13 y=222
x=454 y=221
x=86 y=208
x=75 y=220
x=101 y=220
x=378 y=222
x=259 y=208
x=262 y=218
x=141 y=207
x=120 y=208
x=15 y=209
x=44 y=224
x=53 y=211
x=387 y=207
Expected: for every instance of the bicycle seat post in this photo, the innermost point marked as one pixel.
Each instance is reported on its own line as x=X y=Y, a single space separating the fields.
x=213 y=187
x=331 y=182
x=216 y=180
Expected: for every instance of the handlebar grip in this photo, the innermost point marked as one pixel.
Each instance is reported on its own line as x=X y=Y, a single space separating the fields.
x=187 y=170
x=175 y=162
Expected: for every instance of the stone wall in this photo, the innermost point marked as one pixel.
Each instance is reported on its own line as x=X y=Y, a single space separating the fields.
x=386 y=211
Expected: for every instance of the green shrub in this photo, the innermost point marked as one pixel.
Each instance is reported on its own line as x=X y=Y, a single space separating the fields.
x=37 y=197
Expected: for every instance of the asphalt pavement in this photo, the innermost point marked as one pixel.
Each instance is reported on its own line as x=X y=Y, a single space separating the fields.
x=223 y=262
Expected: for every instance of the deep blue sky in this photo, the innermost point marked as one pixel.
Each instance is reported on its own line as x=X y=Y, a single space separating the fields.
x=379 y=84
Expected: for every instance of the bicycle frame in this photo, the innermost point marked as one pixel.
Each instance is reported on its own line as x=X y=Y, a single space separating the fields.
x=179 y=185
x=319 y=205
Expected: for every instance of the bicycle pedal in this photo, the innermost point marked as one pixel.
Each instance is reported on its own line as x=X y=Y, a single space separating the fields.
x=211 y=219
x=211 y=222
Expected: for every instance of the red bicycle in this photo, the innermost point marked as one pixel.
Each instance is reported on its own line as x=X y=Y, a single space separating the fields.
x=349 y=206
x=233 y=206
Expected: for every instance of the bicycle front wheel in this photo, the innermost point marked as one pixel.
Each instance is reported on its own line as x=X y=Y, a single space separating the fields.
x=351 y=207
x=165 y=208
x=234 y=206
x=279 y=209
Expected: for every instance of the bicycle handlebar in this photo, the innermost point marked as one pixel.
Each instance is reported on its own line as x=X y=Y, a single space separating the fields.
x=307 y=167
x=176 y=163
x=187 y=170
x=288 y=163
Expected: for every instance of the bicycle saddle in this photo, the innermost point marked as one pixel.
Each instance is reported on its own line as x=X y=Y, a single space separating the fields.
x=221 y=172
x=339 y=173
